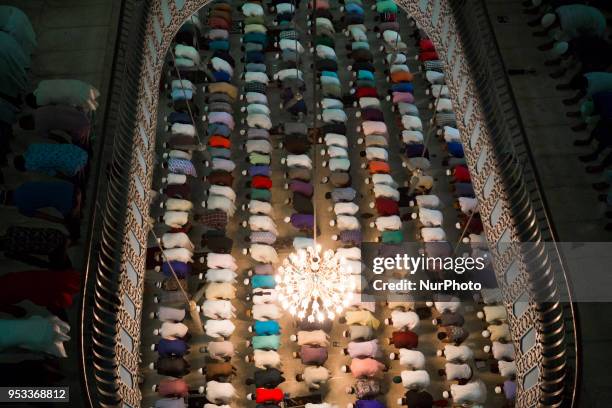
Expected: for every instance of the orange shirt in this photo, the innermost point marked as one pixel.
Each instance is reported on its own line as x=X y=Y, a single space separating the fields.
x=377 y=166
x=401 y=76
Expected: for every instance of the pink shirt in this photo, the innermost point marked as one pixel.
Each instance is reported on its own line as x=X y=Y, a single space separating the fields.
x=366 y=367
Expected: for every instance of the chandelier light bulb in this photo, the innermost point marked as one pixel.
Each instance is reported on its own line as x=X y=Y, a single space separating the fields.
x=313 y=284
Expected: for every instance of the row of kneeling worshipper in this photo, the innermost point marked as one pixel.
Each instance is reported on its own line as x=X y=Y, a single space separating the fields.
x=263 y=236
x=192 y=166
x=42 y=192
x=577 y=42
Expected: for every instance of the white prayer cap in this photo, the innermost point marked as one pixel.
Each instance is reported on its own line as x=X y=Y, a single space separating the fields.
x=548 y=19
x=560 y=48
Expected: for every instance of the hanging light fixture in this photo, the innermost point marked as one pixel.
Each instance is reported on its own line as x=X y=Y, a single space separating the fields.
x=314 y=285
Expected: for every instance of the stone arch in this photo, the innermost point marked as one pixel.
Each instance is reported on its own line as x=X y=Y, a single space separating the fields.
x=499 y=184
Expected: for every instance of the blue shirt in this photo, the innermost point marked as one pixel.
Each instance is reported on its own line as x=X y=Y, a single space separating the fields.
x=167 y=348
x=32 y=196
x=263 y=281
x=266 y=328
x=179 y=117
x=369 y=404
x=51 y=158
x=181 y=269
x=455 y=149
x=181 y=94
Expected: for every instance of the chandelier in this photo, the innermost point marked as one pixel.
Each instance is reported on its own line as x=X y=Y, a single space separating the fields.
x=314 y=285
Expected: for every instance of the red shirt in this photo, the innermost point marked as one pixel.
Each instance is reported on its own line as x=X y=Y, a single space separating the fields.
x=261 y=182
x=264 y=395
x=176 y=387
x=46 y=288
x=366 y=91
x=426 y=45
x=386 y=206
x=405 y=339
x=219 y=141
x=218 y=22
x=428 y=56
x=461 y=174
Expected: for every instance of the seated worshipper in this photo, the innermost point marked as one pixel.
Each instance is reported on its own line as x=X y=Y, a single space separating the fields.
x=218 y=371
x=501 y=351
x=66 y=159
x=171 y=331
x=31 y=197
x=220 y=392
x=314 y=376
x=261 y=237
x=261 y=223
x=452 y=334
x=400 y=320
x=218 y=309
x=171 y=366
x=265 y=312
x=359 y=333
x=312 y=355
x=54 y=290
x=366 y=367
x=177 y=240
x=429 y=218
x=220 y=350
x=262 y=253
x=219 y=202
x=186 y=56
x=449 y=319
x=176 y=387
x=493 y=314
x=429 y=234
x=219 y=328
x=362 y=349
x=360 y=317
x=349 y=237
x=404 y=339
x=168 y=314
x=312 y=338
x=302 y=222
x=456 y=372
x=345 y=222
x=264 y=359
x=35 y=333
x=456 y=354
x=220 y=275
x=474 y=392
x=589 y=84
x=365 y=388
x=391 y=222
x=267 y=396
x=266 y=378
x=221 y=291
x=499 y=332
x=571 y=21
x=54 y=120
x=419 y=399
x=411 y=359
x=413 y=380
x=306 y=325
x=265 y=328
x=69 y=92
x=41 y=247
x=262 y=282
